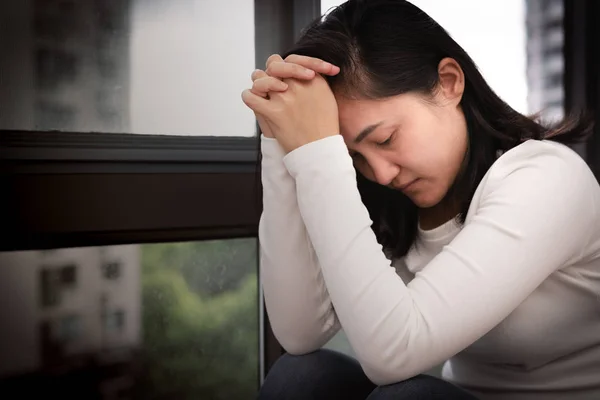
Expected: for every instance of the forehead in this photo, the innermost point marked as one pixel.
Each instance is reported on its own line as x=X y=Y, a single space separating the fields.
x=357 y=114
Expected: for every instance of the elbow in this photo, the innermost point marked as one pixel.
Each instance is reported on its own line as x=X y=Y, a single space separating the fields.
x=382 y=376
x=298 y=342
x=299 y=346
x=385 y=370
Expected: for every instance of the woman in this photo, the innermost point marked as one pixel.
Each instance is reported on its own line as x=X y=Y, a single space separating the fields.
x=407 y=204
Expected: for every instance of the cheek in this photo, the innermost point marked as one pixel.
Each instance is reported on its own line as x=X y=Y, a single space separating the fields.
x=442 y=152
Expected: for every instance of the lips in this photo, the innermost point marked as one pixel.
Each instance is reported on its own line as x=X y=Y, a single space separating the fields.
x=407 y=185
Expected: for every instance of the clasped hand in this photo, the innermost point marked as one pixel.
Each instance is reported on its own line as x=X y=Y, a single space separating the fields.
x=292 y=101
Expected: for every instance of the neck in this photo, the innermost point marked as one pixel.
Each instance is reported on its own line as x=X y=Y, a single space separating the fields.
x=432 y=217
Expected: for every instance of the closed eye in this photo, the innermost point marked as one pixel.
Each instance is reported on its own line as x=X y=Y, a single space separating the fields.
x=385 y=142
x=388 y=140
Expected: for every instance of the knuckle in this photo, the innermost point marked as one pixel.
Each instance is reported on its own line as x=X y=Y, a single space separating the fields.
x=259 y=93
x=245 y=96
x=273 y=82
x=256 y=74
x=273 y=58
x=299 y=69
x=271 y=69
x=277 y=68
x=257 y=87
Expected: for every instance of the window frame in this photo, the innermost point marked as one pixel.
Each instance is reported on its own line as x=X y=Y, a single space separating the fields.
x=582 y=70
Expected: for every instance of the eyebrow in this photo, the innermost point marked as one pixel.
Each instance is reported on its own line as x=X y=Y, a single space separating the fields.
x=366 y=132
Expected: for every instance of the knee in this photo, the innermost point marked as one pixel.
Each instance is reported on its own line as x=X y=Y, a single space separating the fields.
x=290 y=376
x=421 y=387
x=290 y=365
x=303 y=376
x=300 y=368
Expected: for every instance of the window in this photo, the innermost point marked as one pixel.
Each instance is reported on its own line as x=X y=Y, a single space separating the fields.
x=187 y=315
x=128 y=66
x=111 y=270
x=68 y=276
x=114 y=321
x=70 y=328
x=50 y=288
x=53 y=281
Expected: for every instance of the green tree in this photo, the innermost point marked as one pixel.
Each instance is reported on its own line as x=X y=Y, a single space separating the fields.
x=200 y=334
x=209 y=267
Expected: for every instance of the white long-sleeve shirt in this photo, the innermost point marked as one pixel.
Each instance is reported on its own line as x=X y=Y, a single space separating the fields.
x=511 y=298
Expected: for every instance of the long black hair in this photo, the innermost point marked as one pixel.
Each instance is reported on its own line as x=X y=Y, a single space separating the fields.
x=388 y=47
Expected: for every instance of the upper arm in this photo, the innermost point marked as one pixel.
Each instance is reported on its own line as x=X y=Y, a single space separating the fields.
x=532 y=217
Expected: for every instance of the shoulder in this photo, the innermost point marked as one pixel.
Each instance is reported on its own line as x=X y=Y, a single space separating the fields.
x=541 y=154
x=547 y=165
x=544 y=193
x=545 y=178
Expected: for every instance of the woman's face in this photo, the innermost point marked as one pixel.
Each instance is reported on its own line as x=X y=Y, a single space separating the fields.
x=408 y=142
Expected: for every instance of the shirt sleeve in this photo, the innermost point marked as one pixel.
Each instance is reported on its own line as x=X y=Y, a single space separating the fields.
x=529 y=221
x=297 y=302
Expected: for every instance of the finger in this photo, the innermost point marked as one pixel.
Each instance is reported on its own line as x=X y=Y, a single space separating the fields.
x=274 y=58
x=254 y=102
x=283 y=70
x=315 y=64
x=257 y=74
x=263 y=86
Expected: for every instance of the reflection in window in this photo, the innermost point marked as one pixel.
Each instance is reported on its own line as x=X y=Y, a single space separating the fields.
x=181 y=321
x=127 y=66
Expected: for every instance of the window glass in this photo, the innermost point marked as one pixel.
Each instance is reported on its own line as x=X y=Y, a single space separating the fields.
x=179 y=320
x=127 y=66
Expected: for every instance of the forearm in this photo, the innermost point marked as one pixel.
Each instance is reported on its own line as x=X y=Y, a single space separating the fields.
x=297 y=301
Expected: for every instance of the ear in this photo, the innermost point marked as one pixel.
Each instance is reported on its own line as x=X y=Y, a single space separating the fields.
x=451 y=84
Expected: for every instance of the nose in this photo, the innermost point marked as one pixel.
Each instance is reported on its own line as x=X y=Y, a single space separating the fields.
x=384 y=171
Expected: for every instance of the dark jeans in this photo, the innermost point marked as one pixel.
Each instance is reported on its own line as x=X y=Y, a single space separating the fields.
x=327 y=374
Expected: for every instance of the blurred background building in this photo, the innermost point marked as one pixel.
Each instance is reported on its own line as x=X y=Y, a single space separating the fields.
x=545 y=61
x=70 y=309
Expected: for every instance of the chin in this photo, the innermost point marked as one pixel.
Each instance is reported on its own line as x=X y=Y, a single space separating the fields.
x=425 y=200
